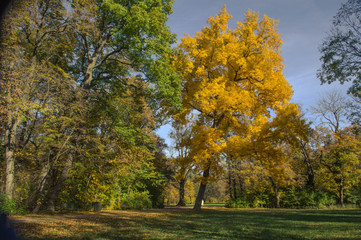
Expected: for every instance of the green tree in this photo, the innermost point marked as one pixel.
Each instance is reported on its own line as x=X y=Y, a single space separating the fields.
x=123 y=38
x=340 y=50
x=82 y=83
x=340 y=158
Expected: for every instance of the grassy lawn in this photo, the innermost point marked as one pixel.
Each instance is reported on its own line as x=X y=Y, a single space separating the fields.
x=207 y=224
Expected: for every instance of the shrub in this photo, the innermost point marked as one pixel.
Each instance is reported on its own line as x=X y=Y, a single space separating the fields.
x=10 y=207
x=240 y=202
x=305 y=198
x=249 y=201
x=354 y=197
x=136 y=200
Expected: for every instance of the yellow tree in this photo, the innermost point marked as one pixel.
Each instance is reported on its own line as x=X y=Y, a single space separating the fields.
x=233 y=81
x=270 y=147
x=340 y=158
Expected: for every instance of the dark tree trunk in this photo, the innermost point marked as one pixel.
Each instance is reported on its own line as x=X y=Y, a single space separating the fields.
x=240 y=184
x=229 y=178
x=10 y=141
x=276 y=192
x=230 y=184
x=341 y=192
x=63 y=176
x=235 y=193
x=182 y=184
x=201 y=191
x=310 y=174
x=32 y=200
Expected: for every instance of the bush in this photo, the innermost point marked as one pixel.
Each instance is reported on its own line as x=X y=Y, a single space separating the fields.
x=325 y=199
x=157 y=196
x=249 y=201
x=10 y=207
x=354 y=197
x=237 y=203
x=290 y=198
x=136 y=200
x=305 y=198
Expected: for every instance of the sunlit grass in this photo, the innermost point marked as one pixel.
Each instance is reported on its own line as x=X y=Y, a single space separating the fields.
x=207 y=224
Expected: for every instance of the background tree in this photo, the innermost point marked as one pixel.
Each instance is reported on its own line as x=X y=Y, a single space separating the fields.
x=29 y=74
x=341 y=58
x=340 y=158
x=181 y=135
x=332 y=109
x=306 y=155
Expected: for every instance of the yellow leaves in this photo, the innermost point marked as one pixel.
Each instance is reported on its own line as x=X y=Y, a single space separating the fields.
x=233 y=81
x=219 y=22
x=207 y=144
x=258 y=124
x=200 y=71
x=246 y=55
x=189 y=66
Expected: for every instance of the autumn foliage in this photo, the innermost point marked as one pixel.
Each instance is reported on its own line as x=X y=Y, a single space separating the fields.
x=85 y=85
x=233 y=80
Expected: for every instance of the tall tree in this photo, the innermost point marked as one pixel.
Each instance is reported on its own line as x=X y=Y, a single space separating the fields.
x=83 y=81
x=340 y=158
x=341 y=50
x=30 y=47
x=122 y=38
x=272 y=144
x=339 y=147
x=232 y=81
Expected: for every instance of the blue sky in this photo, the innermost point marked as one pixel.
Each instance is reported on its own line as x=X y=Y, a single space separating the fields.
x=303 y=25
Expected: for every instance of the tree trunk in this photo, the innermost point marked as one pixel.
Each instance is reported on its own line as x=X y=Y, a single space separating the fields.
x=341 y=192
x=230 y=184
x=63 y=176
x=310 y=174
x=276 y=192
x=235 y=193
x=201 y=191
x=182 y=184
x=10 y=141
x=241 y=192
x=277 y=195
x=88 y=78
x=32 y=200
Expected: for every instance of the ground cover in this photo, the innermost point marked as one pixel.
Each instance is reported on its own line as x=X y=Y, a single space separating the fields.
x=211 y=223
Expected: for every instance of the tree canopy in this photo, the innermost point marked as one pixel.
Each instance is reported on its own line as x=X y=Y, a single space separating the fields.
x=340 y=51
x=233 y=80
x=82 y=83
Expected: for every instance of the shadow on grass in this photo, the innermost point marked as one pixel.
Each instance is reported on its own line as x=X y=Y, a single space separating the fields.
x=208 y=224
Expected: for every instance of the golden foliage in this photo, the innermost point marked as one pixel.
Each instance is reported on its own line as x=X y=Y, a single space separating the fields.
x=233 y=82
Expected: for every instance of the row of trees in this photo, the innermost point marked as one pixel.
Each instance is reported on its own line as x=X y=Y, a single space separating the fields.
x=84 y=84
x=238 y=122
x=319 y=170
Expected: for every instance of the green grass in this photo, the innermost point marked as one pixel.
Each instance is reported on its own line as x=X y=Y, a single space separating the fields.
x=214 y=204
x=206 y=224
